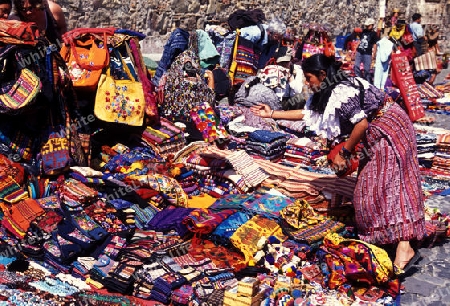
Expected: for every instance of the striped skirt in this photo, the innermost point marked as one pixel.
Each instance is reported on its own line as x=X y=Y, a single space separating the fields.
x=388 y=198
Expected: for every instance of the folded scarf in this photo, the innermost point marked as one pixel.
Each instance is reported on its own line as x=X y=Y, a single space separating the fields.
x=204 y=221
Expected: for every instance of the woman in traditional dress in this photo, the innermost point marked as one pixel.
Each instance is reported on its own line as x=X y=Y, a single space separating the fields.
x=388 y=198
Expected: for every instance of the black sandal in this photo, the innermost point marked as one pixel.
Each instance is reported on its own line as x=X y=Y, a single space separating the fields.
x=403 y=272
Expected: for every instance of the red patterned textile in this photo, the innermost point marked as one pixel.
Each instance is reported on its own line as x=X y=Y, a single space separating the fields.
x=393 y=210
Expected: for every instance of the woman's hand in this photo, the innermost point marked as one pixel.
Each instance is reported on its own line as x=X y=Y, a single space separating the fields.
x=261 y=110
x=340 y=164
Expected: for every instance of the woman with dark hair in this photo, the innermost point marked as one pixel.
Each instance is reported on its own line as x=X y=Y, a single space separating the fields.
x=388 y=199
x=47 y=15
x=432 y=34
x=5 y=8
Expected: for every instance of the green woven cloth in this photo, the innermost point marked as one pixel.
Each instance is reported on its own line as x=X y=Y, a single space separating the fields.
x=150 y=64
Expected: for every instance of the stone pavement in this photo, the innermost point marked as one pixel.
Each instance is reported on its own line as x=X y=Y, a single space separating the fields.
x=430 y=283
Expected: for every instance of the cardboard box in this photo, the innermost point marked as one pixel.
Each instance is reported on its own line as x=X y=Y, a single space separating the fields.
x=248 y=286
x=232 y=298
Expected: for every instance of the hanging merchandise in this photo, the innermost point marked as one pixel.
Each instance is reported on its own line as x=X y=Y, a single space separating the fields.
x=243 y=63
x=317 y=41
x=125 y=59
x=119 y=101
x=403 y=78
x=55 y=152
x=182 y=88
x=407 y=37
x=19 y=93
x=425 y=61
x=86 y=53
x=151 y=107
x=398 y=31
x=208 y=123
x=18 y=89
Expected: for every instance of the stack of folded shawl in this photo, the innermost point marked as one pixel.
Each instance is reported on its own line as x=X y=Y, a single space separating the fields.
x=204 y=165
x=427 y=91
x=188 y=182
x=426 y=148
x=303 y=151
x=145 y=278
x=441 y=161
x=166 y=139
x=266 y=144
x=217 y=186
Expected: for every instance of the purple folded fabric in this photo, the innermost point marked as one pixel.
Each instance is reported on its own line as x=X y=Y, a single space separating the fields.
x=204 y=221
x=170 y=219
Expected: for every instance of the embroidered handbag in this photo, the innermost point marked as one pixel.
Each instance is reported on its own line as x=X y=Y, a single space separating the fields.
x=19 y=93
x=85 y=56
x=243 y=64
x=119 y=101
x=129 y=43
x=55 y=152
x=182 y=87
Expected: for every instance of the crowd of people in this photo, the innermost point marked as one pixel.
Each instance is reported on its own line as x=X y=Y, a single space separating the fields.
x=266 y=77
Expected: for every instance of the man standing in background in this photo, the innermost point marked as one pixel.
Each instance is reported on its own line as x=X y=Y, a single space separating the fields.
x=417 y=32
x=364 y=51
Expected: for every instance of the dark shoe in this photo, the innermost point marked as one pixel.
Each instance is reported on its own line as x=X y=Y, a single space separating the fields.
x=403 y=272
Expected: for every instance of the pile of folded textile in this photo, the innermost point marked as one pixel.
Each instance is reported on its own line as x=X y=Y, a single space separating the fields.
x=165 y=139
x=441 y=161
x=266 y=144
x=304 y=151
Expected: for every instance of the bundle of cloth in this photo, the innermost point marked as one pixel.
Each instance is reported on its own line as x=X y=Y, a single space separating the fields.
x=266 y=144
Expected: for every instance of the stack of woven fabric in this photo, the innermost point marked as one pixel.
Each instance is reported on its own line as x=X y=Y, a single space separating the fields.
x=426 y=148
x=441 y=162
x=204 y=165
x=165 y=139
x=266 y=144
x=429 y=94
x=303 y=151
x=217 y=186
x=188 y=182
x=427 y=91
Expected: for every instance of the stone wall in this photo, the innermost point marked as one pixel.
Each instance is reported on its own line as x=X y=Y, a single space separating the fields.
x=157 y=18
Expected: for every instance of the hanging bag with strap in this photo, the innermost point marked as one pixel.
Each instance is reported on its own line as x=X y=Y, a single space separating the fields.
x=19 y=89
x=151 y=106
x=55 y=153
x=182 y=88
x=243 y=64
x=120 y=101
x=407 y=37
x=86 y=54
